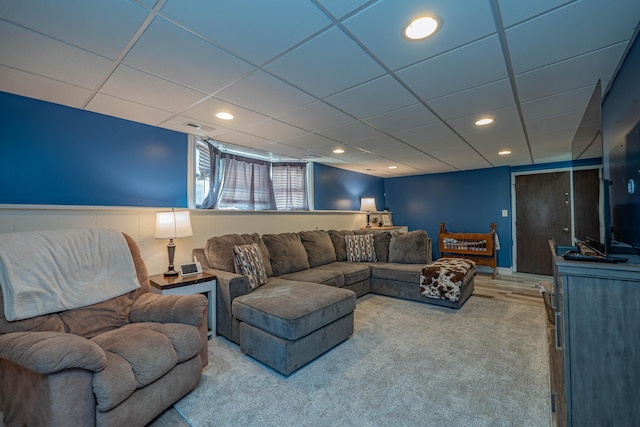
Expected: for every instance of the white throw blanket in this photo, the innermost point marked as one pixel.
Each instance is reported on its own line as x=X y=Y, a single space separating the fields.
x=44 y=272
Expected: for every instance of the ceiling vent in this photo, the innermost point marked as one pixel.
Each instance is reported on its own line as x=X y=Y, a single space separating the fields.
x=199 y=126
x=313 y=156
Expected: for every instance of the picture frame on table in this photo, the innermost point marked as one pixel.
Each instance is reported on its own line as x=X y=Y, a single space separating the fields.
x=386 y=219
x=375 y=220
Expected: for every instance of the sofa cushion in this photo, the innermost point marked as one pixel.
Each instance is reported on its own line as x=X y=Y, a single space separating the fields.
x=249 y=264
x=291 y=310
x=317 y=275
x=398 y=272
x=409 y=248
x=339 y=245
x=352 y=272
x=287 y=253
x=381 y=240
x=360 y=248
x=219 y=251
x=318 y=246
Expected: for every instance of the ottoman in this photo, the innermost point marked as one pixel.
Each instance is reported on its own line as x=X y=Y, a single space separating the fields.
x=286 y=324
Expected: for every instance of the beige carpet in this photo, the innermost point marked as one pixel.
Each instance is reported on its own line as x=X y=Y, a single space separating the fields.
x=407 y=364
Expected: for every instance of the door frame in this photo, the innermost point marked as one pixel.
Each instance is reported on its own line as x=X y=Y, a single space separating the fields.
x=514 y=246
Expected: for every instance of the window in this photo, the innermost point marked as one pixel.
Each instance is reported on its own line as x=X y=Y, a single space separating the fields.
x=233 y=182
x=290 y=186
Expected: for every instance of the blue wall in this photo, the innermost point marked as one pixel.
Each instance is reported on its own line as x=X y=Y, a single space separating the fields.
x=56 y=155
x=467 y=201
x=339 y=189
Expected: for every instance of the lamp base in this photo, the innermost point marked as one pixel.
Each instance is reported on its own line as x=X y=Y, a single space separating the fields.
x=171 y=273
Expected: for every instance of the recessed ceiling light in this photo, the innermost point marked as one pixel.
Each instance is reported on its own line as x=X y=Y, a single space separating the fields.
x=421 y=28
x=504 y=152
x=338 y=151
x=393 y=167
x=224 y=116
x=484 y=122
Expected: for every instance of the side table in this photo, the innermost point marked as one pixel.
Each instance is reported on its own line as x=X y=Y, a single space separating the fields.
x=203 y=283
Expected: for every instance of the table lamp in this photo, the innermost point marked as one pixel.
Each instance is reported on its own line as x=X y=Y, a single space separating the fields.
x=172 y=225
x=368 y=205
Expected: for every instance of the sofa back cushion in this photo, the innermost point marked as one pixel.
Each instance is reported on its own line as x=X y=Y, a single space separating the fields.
x=409 y=248
x=318 y=246
x=339 y=246
x=381 y=240
x=287 y=253
x=219 y=251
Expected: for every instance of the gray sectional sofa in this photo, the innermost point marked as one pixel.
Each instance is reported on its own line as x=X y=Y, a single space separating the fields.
x=306 y=305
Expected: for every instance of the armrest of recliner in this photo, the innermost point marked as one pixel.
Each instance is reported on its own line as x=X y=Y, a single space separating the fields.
x=187 y=309
x=49 y=352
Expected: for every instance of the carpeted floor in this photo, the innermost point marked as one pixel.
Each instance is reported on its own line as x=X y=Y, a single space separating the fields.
x=407 y=364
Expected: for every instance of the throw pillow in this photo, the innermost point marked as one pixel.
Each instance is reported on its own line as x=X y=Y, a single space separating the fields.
x=339 y=245
x=249 y=263
x=360 y=248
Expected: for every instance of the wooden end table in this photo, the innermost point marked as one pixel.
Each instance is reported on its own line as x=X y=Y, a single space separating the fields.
x=203 y=283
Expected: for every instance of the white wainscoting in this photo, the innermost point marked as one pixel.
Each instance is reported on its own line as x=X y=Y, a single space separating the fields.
x=139 y=223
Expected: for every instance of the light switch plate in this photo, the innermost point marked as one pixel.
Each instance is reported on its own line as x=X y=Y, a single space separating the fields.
x=505 y=213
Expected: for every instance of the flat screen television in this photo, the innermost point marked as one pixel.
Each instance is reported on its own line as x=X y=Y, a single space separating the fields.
x=624 y=190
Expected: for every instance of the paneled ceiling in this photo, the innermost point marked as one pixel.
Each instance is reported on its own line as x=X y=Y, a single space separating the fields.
x=303 y=78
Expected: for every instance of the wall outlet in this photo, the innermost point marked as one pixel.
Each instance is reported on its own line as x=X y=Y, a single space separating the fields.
x=505 y=213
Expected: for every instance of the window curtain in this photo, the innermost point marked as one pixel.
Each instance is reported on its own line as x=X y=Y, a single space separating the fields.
x=238 y=182
x=290 y=185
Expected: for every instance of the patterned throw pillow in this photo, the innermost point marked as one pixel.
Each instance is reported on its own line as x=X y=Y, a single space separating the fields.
x=360 y=248
x=249 y=263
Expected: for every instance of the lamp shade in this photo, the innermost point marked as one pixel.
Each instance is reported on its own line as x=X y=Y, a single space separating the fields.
x=368 y=204
x=172 y=225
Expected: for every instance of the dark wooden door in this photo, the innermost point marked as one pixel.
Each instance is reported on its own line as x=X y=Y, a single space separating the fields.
x=543 y=212
x=586 y=199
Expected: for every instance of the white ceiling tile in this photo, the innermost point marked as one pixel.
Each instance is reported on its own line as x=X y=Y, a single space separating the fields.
x=33 y=86
x=380 y=143
x=174 y=54
x=27 y=51
x=309 y=142
x=243 y=139
x=265 y=94
x=314 y=117
x=102 y=27
x=116 y=107
x=505 y=116
x=476 y=100
x=327 y=64
x=380 y=26
x=544 y=145
x=514 y=12
x=268 y=28
x=571 y=74
x=350 y=132
x=459 y=69
x=273 y=129
x=561 y=103
x=206 y=111
x=136 y=86
x=340 y=8
x=569 y=31
x=551 y=124
x=410 y=117
x=375 y=97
